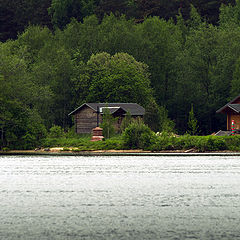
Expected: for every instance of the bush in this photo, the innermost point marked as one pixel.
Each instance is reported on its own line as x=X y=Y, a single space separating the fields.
x=157 y=118
x=199 y=143
x=107 y=124
x=126 y=122
x=233 y=142
x=138 y=135
x=210 y=143
x=56 y=132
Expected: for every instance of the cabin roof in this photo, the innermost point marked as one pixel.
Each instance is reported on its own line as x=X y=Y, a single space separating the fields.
x=231 y=105
x=133 y=108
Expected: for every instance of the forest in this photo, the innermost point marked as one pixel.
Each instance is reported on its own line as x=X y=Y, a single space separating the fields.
x=171 y=57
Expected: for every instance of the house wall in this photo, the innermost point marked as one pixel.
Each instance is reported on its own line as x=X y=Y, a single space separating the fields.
x=85 y=120
x=236 y=118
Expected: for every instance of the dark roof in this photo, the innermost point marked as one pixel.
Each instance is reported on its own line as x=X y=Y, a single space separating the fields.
x=235 y=107
x=223 y=133
x=133 y=108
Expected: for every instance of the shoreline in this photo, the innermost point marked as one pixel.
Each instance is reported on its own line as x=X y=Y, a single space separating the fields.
x=137 y=152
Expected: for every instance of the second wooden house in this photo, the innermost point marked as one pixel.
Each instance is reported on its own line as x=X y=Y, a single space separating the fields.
x=232 y=110
x=86 y=116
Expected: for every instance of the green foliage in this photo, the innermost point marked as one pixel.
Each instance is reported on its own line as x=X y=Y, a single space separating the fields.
x=108 y=122
x=148 y=141
x=210 y=144
x=16 y=15
x=195 y=19
x=233 y=143
x=62 y=11
x=152 y=116
x=118 y=78
x=167 y=125
x=194 y=143
x=235 y=84
x=157 y=118
x=106 y=7
x=138 y=135
x=192 y=122
x=229 y=15
x=159 y=42
x=84 y=143
x=45 y=75
x=56 y=132
x=127 y=120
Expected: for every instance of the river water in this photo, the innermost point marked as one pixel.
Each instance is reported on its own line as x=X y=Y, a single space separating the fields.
x=75 y=197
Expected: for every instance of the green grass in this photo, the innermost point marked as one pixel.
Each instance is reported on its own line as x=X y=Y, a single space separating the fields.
x=83 y=143
x=185 y=142
x=198 y=143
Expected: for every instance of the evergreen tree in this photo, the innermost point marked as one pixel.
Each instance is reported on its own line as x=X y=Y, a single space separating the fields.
x=62 y=11
x=192 y=122
x=107 y=124
x=126 y=121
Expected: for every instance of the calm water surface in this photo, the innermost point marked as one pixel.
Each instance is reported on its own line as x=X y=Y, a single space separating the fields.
x=119 y=197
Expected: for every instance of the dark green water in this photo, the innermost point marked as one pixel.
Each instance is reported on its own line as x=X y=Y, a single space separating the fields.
x=168 y=197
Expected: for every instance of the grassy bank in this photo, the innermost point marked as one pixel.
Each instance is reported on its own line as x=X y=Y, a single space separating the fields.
x=136 y=136
x=156 y=143
x=196 y=143
x=84 y=143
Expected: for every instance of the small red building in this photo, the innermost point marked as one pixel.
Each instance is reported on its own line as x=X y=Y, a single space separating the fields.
x=232 y=109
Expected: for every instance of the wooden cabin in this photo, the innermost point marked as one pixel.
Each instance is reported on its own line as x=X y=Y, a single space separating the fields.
x=86 y=116
x=232 y=110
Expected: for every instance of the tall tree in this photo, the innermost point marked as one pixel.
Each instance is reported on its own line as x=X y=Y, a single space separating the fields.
x=111 y=6
x=53 y=69
x=16 y=15
x=62 y=11
x=118 y=78
x=157 y=45
x=163 y=9
x=18 y=114
x=196 y=66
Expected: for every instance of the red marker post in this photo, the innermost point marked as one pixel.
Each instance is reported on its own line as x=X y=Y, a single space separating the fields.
x=233 y=127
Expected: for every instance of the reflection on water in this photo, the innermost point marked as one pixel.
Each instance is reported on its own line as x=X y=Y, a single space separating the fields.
x=119 y=197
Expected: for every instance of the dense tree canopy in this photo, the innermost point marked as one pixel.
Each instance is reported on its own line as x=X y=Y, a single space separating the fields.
x=165 y=65
x=16 y=15
x=118 y=78
x=62 y=11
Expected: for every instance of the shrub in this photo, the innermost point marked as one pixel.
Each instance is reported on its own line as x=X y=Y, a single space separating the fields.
x=66 y=149
x=29 y=141
x=233 y=142
x=156 y=117
x=138 y=135
x=192 y=123
x=56 y=132
x=211 y=143
x=199 y=143
x=126 y=122
x=108 y=124
x=5 y=149
x=162 y=143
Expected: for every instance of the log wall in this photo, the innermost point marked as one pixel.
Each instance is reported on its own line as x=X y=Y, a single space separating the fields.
x=236 y=118
x=85 y=120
